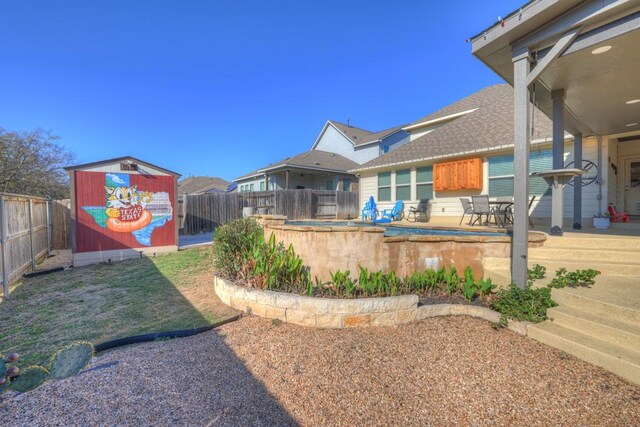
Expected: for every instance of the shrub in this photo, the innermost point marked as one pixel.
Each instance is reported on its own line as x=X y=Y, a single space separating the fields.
x=526 y=303
x=271 y=266
x=233 y=244
x=537 y=272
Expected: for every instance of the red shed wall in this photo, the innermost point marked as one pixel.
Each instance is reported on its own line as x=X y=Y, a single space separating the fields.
x=90 y=191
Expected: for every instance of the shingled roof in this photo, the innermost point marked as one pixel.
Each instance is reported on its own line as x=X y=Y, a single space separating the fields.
x=489 y=126
x=312 y=159
x=201 y=184
x=361 y=136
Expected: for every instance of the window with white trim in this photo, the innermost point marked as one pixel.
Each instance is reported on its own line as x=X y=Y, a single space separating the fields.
x=403 y=184
x=384 y=187
x=424 y=183
x=501 y=174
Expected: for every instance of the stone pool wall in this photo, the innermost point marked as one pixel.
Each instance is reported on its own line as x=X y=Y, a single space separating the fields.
x=329 y=248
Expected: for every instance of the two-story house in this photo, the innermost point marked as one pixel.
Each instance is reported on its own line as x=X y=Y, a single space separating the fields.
x=338 y=149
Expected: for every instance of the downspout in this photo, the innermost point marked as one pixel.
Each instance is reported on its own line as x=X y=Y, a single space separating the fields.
x=599 y=161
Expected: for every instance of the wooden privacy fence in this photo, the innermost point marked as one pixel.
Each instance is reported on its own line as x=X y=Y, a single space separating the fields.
x=205 y=212
x=25 y=235
x=61 y=224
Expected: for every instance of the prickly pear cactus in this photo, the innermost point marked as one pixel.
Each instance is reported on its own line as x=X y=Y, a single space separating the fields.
x=3 y=366
x=71 y=359
x=30 y=378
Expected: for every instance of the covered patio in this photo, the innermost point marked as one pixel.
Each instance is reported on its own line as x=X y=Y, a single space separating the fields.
x=578 y=62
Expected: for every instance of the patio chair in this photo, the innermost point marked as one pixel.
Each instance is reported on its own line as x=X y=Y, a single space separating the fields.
x=481 y=207
x=369 y=211
x=503 y=209
x=420 y=212
x=617 y=216
x=508 y=214
x=467 y=209
x=394 y=214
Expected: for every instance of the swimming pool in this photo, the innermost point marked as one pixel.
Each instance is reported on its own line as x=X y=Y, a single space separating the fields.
x=393 y=230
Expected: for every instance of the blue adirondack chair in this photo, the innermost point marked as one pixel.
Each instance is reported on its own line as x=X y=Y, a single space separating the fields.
x=394 y=214
x=370 y=211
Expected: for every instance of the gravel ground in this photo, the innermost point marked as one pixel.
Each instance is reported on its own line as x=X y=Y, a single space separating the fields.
x=441 y=371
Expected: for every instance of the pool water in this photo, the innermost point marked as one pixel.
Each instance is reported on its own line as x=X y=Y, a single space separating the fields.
x=398 y=231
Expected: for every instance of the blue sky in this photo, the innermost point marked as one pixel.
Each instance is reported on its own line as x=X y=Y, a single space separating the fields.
x=223 y=87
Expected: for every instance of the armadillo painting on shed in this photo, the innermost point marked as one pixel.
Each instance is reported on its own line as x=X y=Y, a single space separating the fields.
x=121 y=208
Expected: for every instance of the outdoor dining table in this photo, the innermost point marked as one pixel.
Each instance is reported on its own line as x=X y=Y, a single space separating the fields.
x=501 y=206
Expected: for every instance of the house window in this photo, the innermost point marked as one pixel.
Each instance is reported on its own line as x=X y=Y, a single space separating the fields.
x=329 y=185
x=261 y=185
x=501 y=174
x=346 y=185
x=384 y=187
x=241 y=188
x=251 y=187
x=403 y=184
x=424 y=183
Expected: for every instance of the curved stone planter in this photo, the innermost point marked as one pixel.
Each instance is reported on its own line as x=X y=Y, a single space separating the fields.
x=344 y=313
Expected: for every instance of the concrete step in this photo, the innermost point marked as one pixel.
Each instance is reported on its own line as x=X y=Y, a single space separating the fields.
x=602 y=327
x=619 y=360
x=631 y=243
x=600 y=304
x=588 y=255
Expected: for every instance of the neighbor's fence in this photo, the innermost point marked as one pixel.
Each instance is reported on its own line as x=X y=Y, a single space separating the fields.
x=205 y=212
x=61 y=224
x=25 y=235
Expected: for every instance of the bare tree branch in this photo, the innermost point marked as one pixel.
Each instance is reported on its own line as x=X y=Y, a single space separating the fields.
x=32 y=163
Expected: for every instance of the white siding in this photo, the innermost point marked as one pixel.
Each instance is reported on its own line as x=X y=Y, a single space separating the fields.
x=335 y=142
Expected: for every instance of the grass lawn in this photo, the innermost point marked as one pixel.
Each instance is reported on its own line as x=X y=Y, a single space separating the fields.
x=109 y=301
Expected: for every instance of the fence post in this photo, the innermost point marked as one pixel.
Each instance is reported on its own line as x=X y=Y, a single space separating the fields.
x=4 y=230
x=33 y=249
x=49 y=226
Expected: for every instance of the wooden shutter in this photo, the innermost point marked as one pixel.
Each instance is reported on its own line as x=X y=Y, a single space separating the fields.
x=458 y=175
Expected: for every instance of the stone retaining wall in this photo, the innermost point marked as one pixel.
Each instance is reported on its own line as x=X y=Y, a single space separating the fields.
x=329 y=248
x=343 y=313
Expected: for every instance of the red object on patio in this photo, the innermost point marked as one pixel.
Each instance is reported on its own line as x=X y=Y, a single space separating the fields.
x=617 y=216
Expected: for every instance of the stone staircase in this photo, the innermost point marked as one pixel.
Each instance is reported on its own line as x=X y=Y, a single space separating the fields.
x=601 y=324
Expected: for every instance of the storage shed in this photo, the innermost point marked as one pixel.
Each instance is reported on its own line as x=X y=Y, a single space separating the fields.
x=121 y=208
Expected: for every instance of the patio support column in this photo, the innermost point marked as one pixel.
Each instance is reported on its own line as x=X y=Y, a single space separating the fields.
x=557 y=192
x=577 y=182
x=286 y=179
x=521 y=104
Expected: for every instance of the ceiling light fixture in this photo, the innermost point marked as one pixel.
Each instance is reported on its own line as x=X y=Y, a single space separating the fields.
x=631 y=124
x=601 y=49
x=633 y=101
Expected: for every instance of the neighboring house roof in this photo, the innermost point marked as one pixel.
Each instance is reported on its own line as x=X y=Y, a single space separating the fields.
x=119 y=160
x=201 y=184
x=312 y=159
x=486 y=125
x=355 y=135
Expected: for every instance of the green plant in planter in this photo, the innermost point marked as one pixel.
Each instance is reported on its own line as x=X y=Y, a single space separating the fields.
x=452 y=280
x=469 y=287
x=233 y=244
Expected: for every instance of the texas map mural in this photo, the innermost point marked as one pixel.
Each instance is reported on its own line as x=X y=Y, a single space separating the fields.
x=128 y=210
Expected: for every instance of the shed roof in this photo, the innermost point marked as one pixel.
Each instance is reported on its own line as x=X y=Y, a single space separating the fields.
x=119 y=160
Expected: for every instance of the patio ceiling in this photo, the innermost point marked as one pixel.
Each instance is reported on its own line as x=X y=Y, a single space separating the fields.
x=597 y=86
